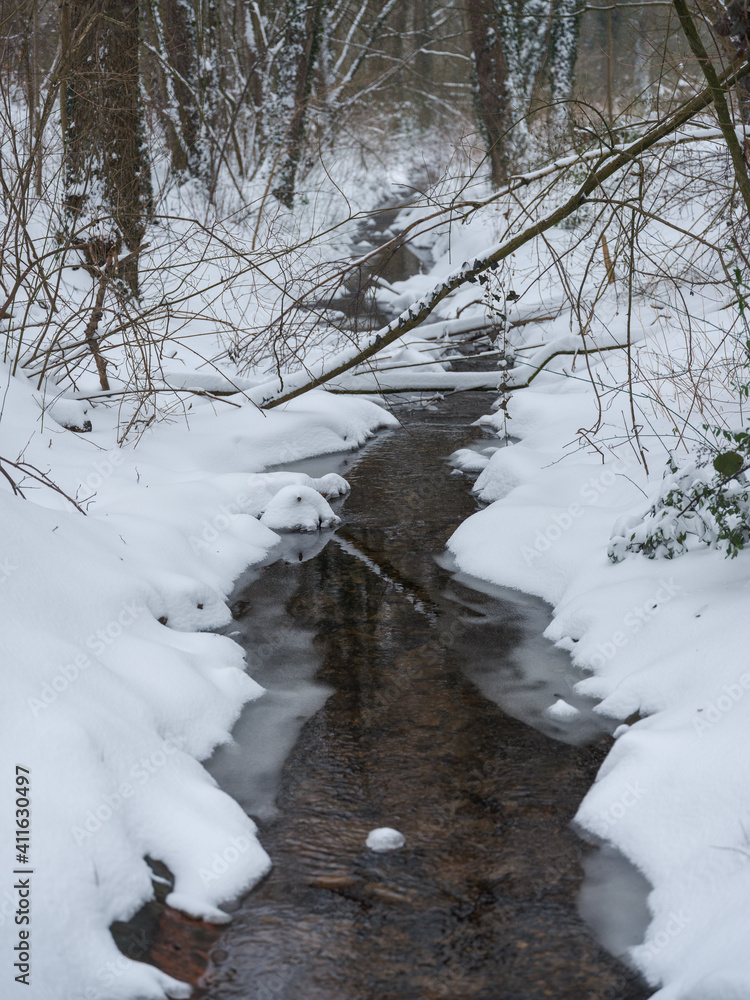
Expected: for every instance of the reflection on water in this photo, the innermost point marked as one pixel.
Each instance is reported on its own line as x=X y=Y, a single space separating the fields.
x=528 y=677
x=613 y=900
x=398 y=695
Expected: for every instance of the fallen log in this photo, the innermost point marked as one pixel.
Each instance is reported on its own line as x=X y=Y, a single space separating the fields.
x=285 y=388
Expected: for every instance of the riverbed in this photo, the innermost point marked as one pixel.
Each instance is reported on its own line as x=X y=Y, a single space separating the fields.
x=399 y=694
x=375 y=658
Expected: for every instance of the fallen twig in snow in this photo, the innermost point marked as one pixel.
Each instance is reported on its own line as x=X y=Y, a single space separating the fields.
x=33 y=473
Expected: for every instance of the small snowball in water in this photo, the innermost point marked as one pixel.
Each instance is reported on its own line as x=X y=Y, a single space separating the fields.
x=562 y=710
x=385 y=839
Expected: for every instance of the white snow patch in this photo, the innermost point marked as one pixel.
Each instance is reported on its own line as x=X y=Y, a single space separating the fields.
x=562 y=711
x=299 y=508
x=385 y=838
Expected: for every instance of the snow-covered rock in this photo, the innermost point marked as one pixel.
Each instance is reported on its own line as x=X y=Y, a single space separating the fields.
x=299 y=508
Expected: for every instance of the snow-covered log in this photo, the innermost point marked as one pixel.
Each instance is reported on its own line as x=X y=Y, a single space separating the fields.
x=280 y=390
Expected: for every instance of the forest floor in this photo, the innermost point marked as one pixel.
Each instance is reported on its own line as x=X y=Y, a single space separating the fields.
x=116 y=690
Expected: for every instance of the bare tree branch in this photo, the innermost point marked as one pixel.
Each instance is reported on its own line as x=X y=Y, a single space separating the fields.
x=281 y=390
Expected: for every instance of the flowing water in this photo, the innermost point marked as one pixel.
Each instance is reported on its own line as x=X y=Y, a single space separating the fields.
x=375 y=659
x=400 y=694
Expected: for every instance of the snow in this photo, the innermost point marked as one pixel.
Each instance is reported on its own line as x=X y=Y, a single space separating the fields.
x=114 y=691
x=385 y=838
x=298 y=508
x=562 y=710
x=660 y=646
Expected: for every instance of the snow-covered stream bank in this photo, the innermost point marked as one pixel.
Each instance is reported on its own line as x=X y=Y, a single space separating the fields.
x=112 y=699
x=663 y=646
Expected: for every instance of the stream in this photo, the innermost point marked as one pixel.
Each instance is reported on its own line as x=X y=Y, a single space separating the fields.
x=401 y=694
x=385 y=676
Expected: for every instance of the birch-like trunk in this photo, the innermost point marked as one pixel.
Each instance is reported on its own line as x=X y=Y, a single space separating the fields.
x=297 y=66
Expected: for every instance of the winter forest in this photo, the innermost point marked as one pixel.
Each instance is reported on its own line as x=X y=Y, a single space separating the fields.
x=374 y=499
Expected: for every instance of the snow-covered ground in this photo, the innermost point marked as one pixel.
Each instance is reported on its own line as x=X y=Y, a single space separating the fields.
x=662 y=644
x=115 y=691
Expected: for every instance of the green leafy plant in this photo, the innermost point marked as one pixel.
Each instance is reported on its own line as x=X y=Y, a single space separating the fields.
x=707 y=502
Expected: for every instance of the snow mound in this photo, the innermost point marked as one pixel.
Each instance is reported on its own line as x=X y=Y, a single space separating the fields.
x=331 y=485
x=299 y=508
x=385 y=838
x=562 y=711
x=469 y=460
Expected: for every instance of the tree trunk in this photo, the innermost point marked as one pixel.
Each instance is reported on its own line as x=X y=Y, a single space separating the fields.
x=490 y=84
x=295 y=83
x=515 y=45
x=564 y=30
x=177 y=42
x=107 y=177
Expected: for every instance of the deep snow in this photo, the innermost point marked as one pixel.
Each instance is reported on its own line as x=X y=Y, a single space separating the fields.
x=115 y=692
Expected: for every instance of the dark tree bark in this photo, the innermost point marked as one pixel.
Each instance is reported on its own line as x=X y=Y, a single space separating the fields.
x=107 y=176
x=516 y=44
x=303 y=25
x=424 y=67
x=490 y=84
x=183 y=118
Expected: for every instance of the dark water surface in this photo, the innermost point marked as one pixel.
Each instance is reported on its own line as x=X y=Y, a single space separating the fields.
x=375 y=659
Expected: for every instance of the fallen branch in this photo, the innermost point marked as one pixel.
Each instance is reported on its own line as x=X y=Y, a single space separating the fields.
x=32 y=472
x=374 y=382
x=497 y=381
x=279 y=390
x=563 y=346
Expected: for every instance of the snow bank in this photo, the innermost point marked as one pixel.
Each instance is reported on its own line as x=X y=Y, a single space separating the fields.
x=113 y=694
x=661 y=643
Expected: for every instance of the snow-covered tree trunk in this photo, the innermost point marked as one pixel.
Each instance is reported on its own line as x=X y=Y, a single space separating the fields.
x=107 y=171
x=515 y=43
x=563 y=46
x=296 y=72
x=251 y=65
x=490 y=84
x=208 y=91
x=173 y=30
